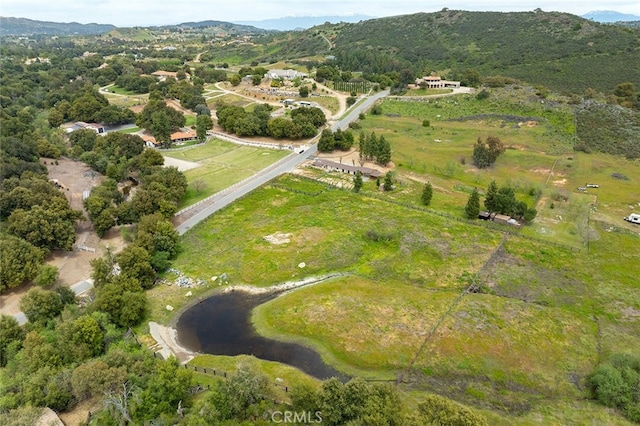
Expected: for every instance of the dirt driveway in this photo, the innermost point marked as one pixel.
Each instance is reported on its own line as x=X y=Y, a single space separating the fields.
x=73 y=266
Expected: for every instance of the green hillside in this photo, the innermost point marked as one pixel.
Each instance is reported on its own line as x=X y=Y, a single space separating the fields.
x=559 y=50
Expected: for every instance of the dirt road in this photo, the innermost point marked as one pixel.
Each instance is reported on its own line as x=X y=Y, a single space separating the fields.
x=73 y=266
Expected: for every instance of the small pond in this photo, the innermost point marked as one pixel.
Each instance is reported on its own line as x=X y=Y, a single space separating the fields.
x=221 y=325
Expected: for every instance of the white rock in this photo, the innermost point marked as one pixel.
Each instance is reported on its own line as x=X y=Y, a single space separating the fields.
x=169 y=308
x=188 y=294
x=301 y=265
x=214 y=278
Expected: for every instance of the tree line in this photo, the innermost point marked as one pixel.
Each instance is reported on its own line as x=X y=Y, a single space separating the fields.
x=303 y=121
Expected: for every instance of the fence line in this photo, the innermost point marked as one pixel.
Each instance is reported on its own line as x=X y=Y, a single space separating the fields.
x=224 y=191
x=239 y=141
x=483 y=224
x=546 y=182
x=471 y=288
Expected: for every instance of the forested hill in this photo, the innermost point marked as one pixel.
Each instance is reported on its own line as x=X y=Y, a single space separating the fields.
x=222 y=26
x=559 y=50
x=23 y=26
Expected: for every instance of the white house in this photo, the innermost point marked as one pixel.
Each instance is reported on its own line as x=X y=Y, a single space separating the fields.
x=98 y=128
x=434 y=82
x=284 y=74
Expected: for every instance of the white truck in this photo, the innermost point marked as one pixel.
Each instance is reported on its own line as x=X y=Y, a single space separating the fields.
x=633 y=218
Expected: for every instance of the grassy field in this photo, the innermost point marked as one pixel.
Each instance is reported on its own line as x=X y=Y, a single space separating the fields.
x=229 y=99
x=544 y=316
x=331 y=231
x=127 y=101
x=222 y=165
x=546 y=311
x=539 y=159
x=427 y=92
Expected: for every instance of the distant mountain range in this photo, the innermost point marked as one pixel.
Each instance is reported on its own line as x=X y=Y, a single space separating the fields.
x=24 y=27
x=610 y=16
x=289 y=23
x=224 y=26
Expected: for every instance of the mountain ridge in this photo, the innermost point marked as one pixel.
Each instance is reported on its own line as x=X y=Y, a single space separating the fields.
x=610 y=16
x=25 y=27
x=289 y=23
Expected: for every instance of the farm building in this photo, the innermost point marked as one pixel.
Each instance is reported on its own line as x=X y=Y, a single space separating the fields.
x=176 y=137
x=284 y=74
x=345 y=168
x=98 y=128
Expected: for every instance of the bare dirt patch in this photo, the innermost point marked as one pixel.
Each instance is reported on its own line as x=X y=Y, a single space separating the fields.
x=541 y=170
x=80 y=412
x=530 y=123
x=182 y=165
x=278 y=238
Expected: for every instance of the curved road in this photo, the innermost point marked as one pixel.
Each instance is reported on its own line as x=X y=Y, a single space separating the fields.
x=283 y=166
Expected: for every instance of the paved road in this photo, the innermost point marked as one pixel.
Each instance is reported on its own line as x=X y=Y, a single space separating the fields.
x=285 y=165
x=224 y=198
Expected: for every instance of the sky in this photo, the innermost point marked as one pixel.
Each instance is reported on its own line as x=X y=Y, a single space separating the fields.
x=128 y=13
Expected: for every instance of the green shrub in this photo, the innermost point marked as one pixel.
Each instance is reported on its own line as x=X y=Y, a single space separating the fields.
x=614 y=383
x=47 y=276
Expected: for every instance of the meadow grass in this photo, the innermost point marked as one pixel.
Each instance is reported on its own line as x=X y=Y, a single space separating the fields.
x=332 y=231
x=229 y=99
x=427 y=92
x=131 y=130
x=544 y=316
x=390 y=318
x=328 y=102
x=190 y=120
x=121 y=91
x=127 y=101
x=222 y=164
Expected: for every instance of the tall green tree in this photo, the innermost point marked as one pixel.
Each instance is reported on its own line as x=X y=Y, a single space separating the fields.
x=167 y=387
x=81 y=339
x=614 y=383
x=161 y=129
x=427 y=194
x=383 y=151
x=41 y=305
x=388 y=181
x=11 y=336
x=203 y=123
x=490 y=196
x=485 y=153
x=48 y=227
x=472 y=208
x=19 y=261
x=357 y=182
